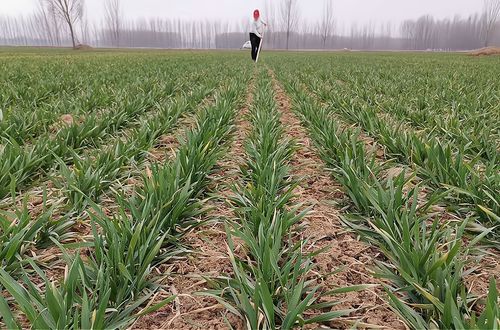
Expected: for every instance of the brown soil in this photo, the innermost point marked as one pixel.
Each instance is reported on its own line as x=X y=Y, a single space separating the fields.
x=486 y=51
x=323 y=229
x=487 y=266
x=67 y=119
x=83 y=47
x=186 y=278
x=167 y=145
x=192 y=311
x=33 y=198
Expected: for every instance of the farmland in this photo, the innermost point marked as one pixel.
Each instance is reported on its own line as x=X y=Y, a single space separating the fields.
x=196 y=190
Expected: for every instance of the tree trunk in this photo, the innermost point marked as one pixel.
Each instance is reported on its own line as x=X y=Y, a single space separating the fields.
x=72 y=35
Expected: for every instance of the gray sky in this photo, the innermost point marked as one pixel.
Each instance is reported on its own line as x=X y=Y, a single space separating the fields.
x=346 y=11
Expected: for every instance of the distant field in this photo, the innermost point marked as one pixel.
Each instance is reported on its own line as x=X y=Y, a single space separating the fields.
x=197 y=190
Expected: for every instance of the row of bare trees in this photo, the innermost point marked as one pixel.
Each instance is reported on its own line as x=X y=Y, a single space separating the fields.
x=64 y=22
x=491 y=13
x=113 y=18
x=476 y=31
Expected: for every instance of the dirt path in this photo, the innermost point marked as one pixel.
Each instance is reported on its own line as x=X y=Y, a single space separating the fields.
x=209 y=258
x=324 y=229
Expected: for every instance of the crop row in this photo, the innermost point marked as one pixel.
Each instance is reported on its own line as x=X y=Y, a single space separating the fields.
x=424 y=265
x=35 y=94
x=470 y=185
x=105 y=289
x=458 y=108
x=272 y=284
x=21 y=164
x=90 y=176
x=473 y=139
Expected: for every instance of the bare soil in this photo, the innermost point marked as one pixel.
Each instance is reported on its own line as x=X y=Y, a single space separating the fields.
x=486 y=51
x=83 y=47
x=65 y=120
x=167 y=145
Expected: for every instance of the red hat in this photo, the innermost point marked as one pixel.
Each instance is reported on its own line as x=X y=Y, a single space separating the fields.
x=256 y=14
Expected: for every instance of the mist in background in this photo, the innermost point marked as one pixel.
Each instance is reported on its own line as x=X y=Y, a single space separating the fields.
x=445 y=25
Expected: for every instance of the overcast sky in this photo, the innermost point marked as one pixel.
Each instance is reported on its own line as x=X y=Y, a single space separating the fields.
x=346 y=11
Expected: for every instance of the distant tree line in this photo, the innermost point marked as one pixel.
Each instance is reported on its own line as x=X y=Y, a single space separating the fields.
x=65 y=23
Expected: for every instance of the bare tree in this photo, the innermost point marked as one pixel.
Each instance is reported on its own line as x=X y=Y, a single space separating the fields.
x=84 y=29
x=113 y=15
x=271 y=23
x=327 y=22
x=45 y=24
x=425 y=32
x=491 y=13
x=71 y=11
x=289 y=17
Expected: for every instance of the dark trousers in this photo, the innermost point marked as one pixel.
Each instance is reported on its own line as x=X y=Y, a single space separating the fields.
x=255 y=41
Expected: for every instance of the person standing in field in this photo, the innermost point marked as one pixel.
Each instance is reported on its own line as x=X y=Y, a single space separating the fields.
x=256 y=33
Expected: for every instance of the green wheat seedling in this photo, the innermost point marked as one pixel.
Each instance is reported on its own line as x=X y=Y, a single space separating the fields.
x=81 y=300
x=107 y=288
x=89 y=177
x=271 y=285
x=22 y=164
x=424 y=266
x=18 y=232
x=439 y=162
